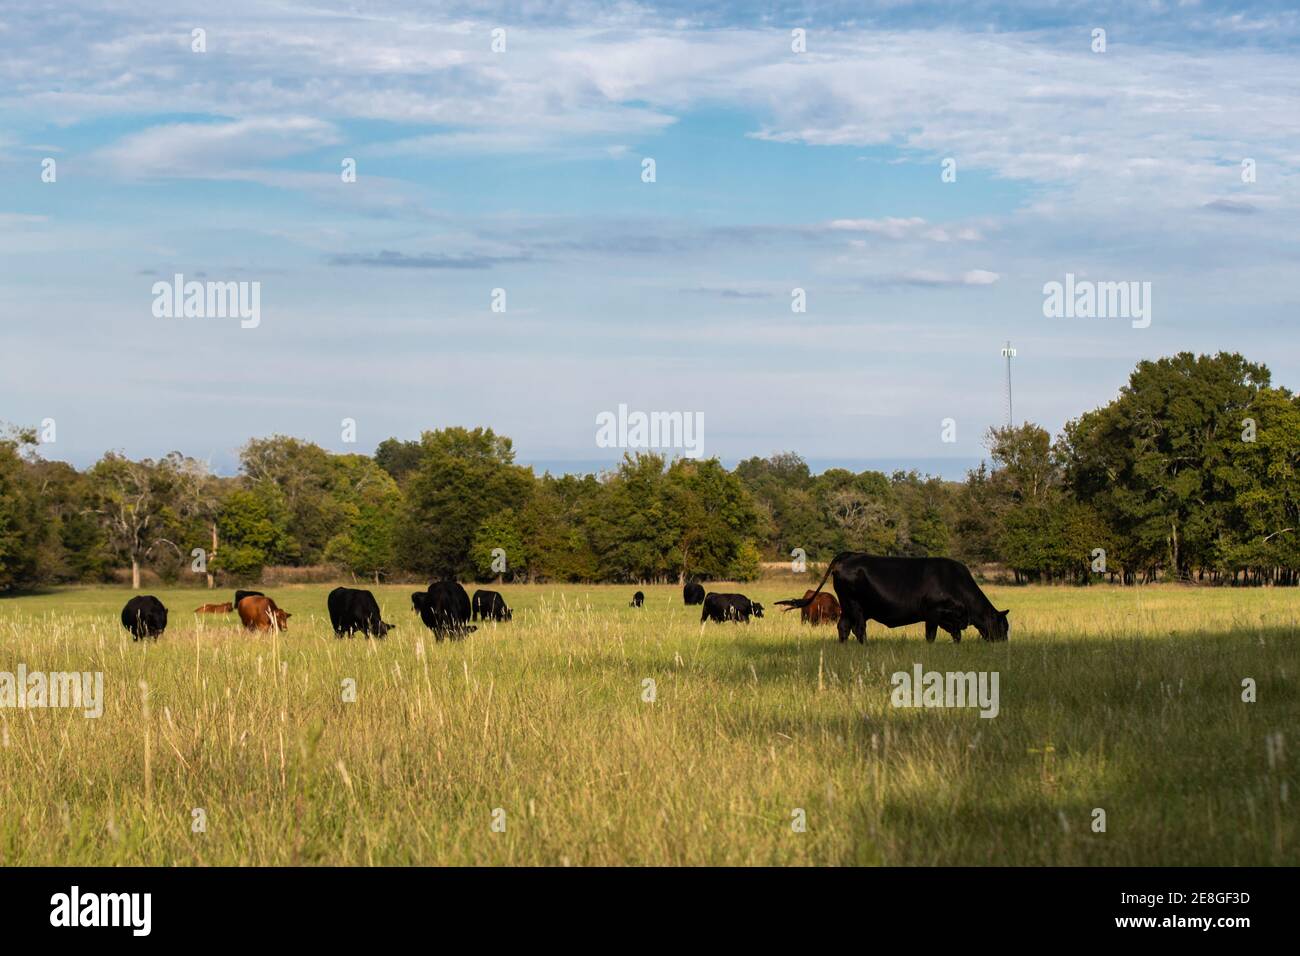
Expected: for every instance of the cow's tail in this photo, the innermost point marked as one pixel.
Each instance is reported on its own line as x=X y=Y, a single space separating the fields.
x=793 y=603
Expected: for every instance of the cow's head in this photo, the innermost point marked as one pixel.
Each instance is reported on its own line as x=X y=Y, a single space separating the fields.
x=998 y=627
x=508 y=615
x=282 y=619
x=384 y=629
x=756 y=608
x=418 y=600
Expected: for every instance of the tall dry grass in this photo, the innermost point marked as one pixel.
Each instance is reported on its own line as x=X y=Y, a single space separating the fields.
x=1123 y=700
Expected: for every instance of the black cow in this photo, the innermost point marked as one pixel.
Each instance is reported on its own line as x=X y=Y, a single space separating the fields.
x=144 y=616
x=352 y=610
x=730 y=607
x=240 y=595
x=936 y=592
x=489 y=606
x=693 y=593
x=638 y=599
x=444 y=609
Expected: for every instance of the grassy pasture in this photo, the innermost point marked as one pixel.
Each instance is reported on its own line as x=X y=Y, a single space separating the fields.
x=1124 y=699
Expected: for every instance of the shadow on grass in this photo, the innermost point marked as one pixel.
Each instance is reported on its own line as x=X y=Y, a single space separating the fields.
x=1154 y=731
x=42 y=590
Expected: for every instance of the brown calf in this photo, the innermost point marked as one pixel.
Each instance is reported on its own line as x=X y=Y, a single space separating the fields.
x=824 y=609
x=215 y=608
x=260 y=614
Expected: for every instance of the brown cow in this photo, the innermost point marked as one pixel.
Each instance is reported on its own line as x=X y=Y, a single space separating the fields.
x=215 y=608
x=259 y=613
x=823 y=609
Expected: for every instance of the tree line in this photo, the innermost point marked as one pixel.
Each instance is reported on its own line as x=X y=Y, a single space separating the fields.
x=1191 y=473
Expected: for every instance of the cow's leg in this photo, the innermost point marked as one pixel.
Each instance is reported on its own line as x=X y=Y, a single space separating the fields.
x=953 y=620
x=845 y=623
x=853 y=621
x=931 y=629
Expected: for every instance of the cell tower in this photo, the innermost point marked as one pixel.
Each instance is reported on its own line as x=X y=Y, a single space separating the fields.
x=1009 y=353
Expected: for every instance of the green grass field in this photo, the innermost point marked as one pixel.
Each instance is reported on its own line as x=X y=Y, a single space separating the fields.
x=1128 y=700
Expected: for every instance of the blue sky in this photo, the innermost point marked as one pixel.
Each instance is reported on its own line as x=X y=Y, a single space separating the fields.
x=521 y=170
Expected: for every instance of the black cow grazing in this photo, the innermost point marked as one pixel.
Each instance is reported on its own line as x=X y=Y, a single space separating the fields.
x=489 y=606
x=144 y=616
x=638 y=599
x=693 y=593
x=352 y=610
x=936 y=592
x=730 y=607
x=444 y=609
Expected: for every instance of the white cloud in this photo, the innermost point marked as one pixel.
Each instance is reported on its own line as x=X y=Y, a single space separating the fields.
x=907 y=228
x=1158 y=124
x=214 y=150
x=929 y=277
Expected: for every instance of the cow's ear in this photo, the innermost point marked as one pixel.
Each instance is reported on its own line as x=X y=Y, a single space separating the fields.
x=1003 y=614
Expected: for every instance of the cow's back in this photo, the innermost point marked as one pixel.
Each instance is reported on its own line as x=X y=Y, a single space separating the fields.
x=363 y=608
x=256 y=611
x=144 y=616
x=450 y=601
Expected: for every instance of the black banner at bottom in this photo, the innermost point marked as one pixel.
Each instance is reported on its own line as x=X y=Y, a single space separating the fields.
x=335 y=906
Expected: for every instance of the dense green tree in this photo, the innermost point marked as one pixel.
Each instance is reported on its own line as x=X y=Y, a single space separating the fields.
x=747 y=564
x=788 y=512
x=858 y=511
x=499 y=549
x=556 y=522
x=398 y=458
x=135 y=504
x=977 y=520
x=1147 y=461
x=305 y=476
x=1259 y=534
x=369 y=507
x=631 y=529
x=21 y=521
x=254 y=528
x=924 y=524
x=1193 y=471
x=711 y=515
x=464 y=476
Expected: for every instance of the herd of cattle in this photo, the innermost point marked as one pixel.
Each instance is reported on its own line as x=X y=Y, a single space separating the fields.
x=445 y=608
x=936 y=592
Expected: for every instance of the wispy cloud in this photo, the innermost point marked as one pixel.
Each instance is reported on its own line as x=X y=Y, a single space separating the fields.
x=476 y=168
x=389 y=259
x=731 y=293
x=217 y=150
x=929 y=279
x=1234 y=206
x=909 y=228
